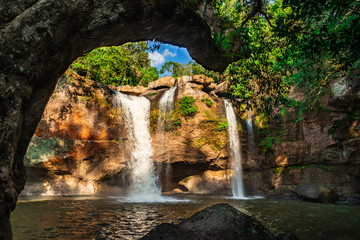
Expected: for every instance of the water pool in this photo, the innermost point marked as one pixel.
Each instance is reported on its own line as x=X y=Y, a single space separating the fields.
x=112 y=218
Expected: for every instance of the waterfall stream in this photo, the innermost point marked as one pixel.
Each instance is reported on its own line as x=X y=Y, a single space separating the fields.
x=166 y=106
x=250 y=132
x=144 y=181
x=234 y=151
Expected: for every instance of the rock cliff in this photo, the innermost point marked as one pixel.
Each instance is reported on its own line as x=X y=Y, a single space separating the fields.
x=80 y=145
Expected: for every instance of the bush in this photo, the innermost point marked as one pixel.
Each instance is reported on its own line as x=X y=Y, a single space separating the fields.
x=186 y=106
x=207 y=101
x=221 y=125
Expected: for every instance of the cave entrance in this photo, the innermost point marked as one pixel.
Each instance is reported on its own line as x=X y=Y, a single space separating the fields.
x=40 y=39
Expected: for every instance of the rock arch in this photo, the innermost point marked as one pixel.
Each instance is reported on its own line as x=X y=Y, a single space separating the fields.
x=40 y=38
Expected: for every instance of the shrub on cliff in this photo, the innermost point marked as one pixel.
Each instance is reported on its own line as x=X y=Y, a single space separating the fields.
x=186 y=106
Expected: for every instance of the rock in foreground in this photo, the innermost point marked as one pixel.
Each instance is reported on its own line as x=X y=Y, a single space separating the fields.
x=220 y=221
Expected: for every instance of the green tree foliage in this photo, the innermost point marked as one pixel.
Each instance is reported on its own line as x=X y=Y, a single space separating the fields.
x=293 y=44
x=189 y=69
x=176 y=69
x=117 y=65
x=323 y=41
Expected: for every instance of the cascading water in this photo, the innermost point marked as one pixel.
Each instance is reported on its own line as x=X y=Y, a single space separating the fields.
x=166 y=106
x=235 y=154
x=250 y=131
x=136 y=112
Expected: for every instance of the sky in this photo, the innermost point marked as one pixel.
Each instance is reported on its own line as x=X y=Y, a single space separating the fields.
x=168 y=52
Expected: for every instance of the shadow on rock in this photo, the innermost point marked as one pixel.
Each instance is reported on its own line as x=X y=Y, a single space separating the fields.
x=220 y=221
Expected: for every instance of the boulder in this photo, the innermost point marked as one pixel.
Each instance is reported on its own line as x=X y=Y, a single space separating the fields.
x=191 y=89
x=202 y=79
x=221 y=89
x=315 y=193
x=168 y=231
x=210 y=87
x=130 y=90
x=184 y=79
x=344 y=93
x=210 y=182
x=286 y=235
x=200 y=82
x=220 y=221
x=164 y=82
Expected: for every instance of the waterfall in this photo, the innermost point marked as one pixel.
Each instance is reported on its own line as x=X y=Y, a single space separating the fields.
x=136 y=112
x=234 y=151
x=166 y=106
x=250 y=131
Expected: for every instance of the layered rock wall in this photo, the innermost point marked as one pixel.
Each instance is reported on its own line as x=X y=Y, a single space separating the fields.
x=191 y=153
x=80 y=145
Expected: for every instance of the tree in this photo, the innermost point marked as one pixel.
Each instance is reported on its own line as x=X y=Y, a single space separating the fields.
x=302 y=44
x=117 y=65
x=176 y=69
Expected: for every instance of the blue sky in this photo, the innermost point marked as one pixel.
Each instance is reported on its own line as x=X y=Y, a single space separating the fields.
x=167 y=53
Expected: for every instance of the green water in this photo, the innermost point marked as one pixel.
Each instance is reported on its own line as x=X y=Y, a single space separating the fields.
x=109 y=218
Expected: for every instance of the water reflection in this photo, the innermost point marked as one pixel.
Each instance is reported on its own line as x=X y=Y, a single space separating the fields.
x=74 y=218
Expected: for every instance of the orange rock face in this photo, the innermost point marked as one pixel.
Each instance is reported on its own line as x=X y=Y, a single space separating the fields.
x=81 y=146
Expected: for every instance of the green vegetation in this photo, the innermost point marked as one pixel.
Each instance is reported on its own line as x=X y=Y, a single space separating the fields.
x=176 y=69
x=328 y=168
x=215 y=132
x=299 y=167
x=262 y=121
x=186 y=106
x=189 y=69
x=117 y=65
x=207 y=101
x=278 y=170
x=288 y=44
x=221 y=125
x=267 y=142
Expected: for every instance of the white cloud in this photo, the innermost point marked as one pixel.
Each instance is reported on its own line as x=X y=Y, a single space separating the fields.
x=168 y=53
x=156 y=59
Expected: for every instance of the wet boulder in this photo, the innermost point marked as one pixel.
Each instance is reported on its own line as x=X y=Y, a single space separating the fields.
x=220 y=221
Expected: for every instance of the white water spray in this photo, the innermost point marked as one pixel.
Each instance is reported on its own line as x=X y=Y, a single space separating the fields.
x=250 y=131
x=235 y=154
x=166 y=106
x=136 y=112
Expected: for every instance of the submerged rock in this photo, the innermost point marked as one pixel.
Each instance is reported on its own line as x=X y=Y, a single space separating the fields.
x=220 y=221
x=353 y=199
